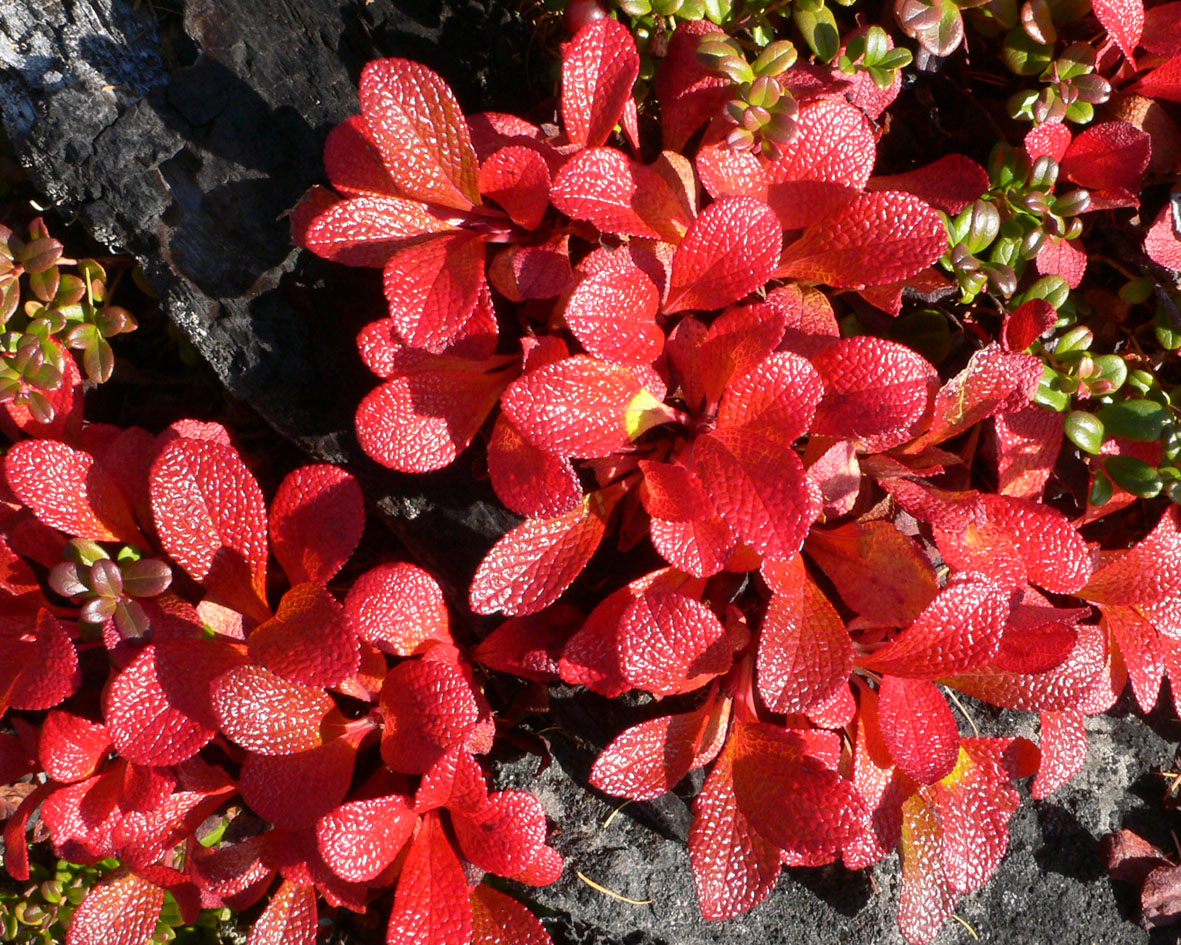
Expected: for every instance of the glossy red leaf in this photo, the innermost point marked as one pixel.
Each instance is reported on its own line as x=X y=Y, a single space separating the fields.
x=690 y=93
x=1060 y=257
x=874 y=390
x=734 y=867
x=670 y=643
x=70 y=747
x=759 y=487
x=879 y=572
x=730 y=250
x=68 y=490
x=613 y=316
x=620 y=196
x=416 y=124
x=1161 y=242
x=455 y=781
x=599 y=67
x=431 y=906
x=316 y=521
x=918 y=728
x=1148 y=573
x=776 y=398
x=289 y=918
x=871 y=240
x=518 y=179
x=211 y=518
x=1124 y=20
x=360 y=839
x=529 y=646
x=1108 y=156
x=926 y=901
x=295 y=790
x=948 y=184
x=1028 y=444
x=1054 y=554
x=429 y=707
x=700 y=547
x=805 y=652
x=366 y=230
x=1027 y=323
x=579 y=406
x=1064 y=751
x=309 y=640
x=352 y=162
x=44 y=669
x=503 y=834
x=265 y=713
x=540 y=271
x=122 y=909
x=424 y=416
x=432 y=288
x=1139 y=644
x=498 y=919
x=791 y=799
x=527 y=479
x=145 y=724
x=398 y=607
x=532 y=565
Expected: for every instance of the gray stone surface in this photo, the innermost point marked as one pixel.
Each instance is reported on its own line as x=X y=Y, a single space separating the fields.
x=183 y=135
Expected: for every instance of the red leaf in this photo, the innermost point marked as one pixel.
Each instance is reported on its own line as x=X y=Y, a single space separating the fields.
x=1054 y=554
x=874 y=390
x=211 y=519
x=518 y=179
x=1060 y=257
x=759 y=487
x=364 y=231
x=1108 y=156
x=926 y=900
x=432 y=905
x=529 y=480
x=70 y=747
x=1139 y=645
x=294 y=791
x=918 y=728
x=1064 y=751
x=1148 y=573
x=733 y=866
x=878 y=571
x=948 y=184
x=360 y=839
x=289 y=918
x=532 y=565
x=122 y=909
x=790 y=798
x=309 y=640
x=265 y=713
x=1028 y=443
x=775 y=398
x=1028 y=323
x=316 y=521
x=599 y=67
x=398 y=607
x=1052 y=138
x=68 y=490
x=1161 y=241
x=959 y=630
x=690 y=94
x=424 y=416
x=1163 y=82
x=1124 y=20
x=805 y=652
x=429 y=707
x=730 y=250
x=613 y=315
x=529 y=646
x=432 y=288
x=502 y=835
x=605 y=187
x=420 y=131
x=871 y=240
x=541 y=271
x=352 y=162
x=670 y=643
x=47 y=667
x=145 y=724
x=498 y=919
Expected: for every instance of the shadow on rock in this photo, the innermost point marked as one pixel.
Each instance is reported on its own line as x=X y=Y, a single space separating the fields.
x=1068 y=848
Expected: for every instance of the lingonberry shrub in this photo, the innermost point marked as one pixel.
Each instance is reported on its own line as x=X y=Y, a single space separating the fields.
x=664 y=329
x=211 y=741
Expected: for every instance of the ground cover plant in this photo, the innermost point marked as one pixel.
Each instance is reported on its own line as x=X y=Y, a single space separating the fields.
x=874 y=443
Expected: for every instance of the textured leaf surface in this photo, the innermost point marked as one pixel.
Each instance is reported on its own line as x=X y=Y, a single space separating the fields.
x=1064 y=751
x=729 y=251
x=432 y=288
x=1148 y=573
x=352 y=162
x=431 y=906
x=670 y=643
x=776 y=398
x=805 y=652
x=293 y=791
x=872 y=240
x=918 y=728
x=504 y=833
x=398 y=607
x=1110 y=156
x=67 y=490
x=529 y=646
x=289 y=918
x=1161 y=241
x=309 y=640
x=1028 y=444
x=498 y=919
x=120 y=910
x=529 y=480
x=960 y=629
x=948 y=184
x=70 y=747
x=428 y=707
x=360 y=839
x=1124 y=20
x=649 y=759
x=518 y=179
x=1139 y=644
x=613 y=315
x=873 y=389
x=366 y=231
x=265 y=713
x=46 y=667
x=925 y=901
x=599 y=67
x=420 y=131
x=316 y=521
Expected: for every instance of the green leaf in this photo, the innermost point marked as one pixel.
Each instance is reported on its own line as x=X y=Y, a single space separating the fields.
x=1134 y=475
x=1142 y=420
x=819 y=29
x=1085 y=431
